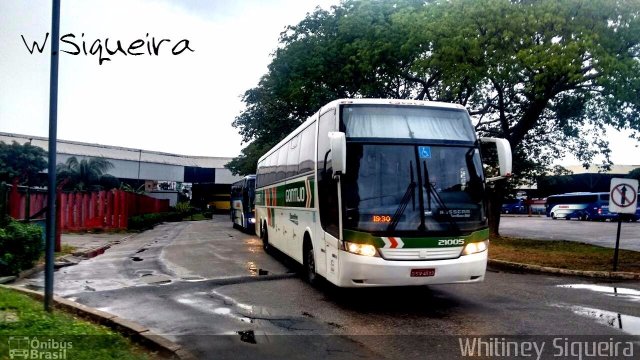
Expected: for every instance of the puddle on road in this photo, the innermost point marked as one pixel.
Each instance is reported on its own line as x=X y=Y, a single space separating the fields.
x=150 y=279
x=254 y=270
x=214 y=307
x=222 y=311
x=252 y=267
x=247 y=336
x=626 y=323
x=624 y=293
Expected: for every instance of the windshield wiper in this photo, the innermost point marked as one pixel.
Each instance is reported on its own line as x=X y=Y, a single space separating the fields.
x=408 y=194
x=431 y=190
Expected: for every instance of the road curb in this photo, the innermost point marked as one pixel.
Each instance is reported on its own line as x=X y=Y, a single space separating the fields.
x=130 y=329
x=607 y=275
x=91 y=253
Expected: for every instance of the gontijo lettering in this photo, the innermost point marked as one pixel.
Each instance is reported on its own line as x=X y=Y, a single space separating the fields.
x=295 y=195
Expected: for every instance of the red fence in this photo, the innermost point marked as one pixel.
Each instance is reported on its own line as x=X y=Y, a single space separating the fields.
x=18 y=203
x=79 y=211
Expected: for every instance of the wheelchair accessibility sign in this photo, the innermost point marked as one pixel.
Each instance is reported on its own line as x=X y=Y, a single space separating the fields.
x=425 y=152
x=623 y=197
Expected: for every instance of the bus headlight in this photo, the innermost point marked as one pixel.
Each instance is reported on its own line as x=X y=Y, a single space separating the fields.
x=360 y=249
x=252 y=220
x=475 y=247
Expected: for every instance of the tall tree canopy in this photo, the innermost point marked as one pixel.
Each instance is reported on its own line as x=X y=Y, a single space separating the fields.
x=547 y=75
x=21 y=163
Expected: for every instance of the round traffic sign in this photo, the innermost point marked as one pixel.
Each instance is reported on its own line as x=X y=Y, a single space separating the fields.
x=623 y=195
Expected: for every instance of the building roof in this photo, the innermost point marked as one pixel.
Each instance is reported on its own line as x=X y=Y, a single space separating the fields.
x=593 y=169
x=116 y=152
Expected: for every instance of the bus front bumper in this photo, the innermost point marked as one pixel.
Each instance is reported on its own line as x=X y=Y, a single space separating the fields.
x=364 y=271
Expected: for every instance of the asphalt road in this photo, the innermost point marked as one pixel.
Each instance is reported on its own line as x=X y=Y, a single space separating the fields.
x=599 y=233
x=199 y=283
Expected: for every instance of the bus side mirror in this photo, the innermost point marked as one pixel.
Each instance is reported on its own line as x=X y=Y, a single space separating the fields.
x=496 y=153
x=338 y=144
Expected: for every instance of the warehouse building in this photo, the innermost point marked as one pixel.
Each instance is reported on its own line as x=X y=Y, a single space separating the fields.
x=162 y=175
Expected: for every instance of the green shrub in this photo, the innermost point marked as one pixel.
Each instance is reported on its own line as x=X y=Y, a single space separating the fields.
x=208 y=214
x=184 y=208
x=148 y=221
x=20 y=246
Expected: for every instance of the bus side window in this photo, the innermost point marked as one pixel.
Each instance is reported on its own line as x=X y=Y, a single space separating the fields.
x=293 y=157
x=307 y=147
x=261 y=174
x=327 y=189
x=281 y=170
x=272 y=162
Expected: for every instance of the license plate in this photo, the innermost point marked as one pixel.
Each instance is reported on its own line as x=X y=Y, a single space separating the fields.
x=423 y=272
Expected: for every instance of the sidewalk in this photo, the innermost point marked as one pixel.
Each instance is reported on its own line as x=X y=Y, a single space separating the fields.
x=89 y=245
x=86 y=246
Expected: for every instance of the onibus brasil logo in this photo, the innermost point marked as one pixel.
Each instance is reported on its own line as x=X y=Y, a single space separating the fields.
x=24 y=347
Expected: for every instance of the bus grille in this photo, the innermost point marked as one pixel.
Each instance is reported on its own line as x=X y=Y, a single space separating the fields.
x=421 y=254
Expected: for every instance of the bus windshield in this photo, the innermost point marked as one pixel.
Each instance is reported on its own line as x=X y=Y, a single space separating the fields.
x=385 y=189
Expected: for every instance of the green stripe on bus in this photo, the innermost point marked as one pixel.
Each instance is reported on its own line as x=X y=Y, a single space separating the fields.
x=413 y=242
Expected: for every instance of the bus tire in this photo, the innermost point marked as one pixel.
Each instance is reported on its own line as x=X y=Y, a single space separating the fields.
x=309 y=262
x=264 y=234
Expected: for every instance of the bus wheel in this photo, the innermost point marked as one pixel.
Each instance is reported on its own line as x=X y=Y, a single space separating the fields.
x=309 y=265
x=264 y=234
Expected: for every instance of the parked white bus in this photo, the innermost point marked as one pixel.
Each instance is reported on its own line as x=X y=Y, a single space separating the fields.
x=374 y=192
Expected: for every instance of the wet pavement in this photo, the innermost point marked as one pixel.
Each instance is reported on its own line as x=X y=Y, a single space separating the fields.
x=198 y=283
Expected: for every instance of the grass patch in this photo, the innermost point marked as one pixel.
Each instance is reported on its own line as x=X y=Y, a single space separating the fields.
x=65 y=249
x=562 y=254
x=22 y=317
x=195 y=217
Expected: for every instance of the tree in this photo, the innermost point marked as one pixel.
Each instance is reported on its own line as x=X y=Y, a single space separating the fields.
x=21 y=163
x=634 y=174
x=351 y=51
x=86 y=174
x=546 y=75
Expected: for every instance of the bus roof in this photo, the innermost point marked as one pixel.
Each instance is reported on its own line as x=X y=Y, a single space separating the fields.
x=247 y=177
x=583 y=193
x=334 y=103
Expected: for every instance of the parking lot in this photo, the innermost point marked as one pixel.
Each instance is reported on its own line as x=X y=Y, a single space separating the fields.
x=592 y=232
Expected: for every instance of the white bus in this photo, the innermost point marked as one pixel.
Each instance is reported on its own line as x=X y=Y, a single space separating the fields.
x=374 y=192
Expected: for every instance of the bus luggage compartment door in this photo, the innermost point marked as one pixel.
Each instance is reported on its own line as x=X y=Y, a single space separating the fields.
x=331 y=246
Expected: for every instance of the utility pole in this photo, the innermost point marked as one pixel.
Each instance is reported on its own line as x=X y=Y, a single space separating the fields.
x=53 y=138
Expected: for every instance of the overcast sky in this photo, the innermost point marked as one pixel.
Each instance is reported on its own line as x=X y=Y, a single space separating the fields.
x=181 y=104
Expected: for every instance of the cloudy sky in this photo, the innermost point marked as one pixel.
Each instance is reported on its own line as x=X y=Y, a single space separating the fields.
x=183 y=104
x=173 y=103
